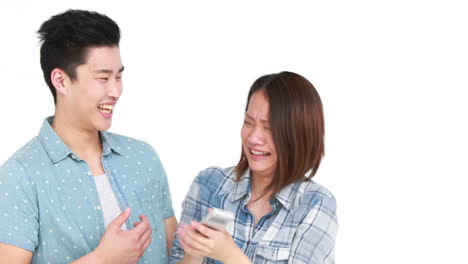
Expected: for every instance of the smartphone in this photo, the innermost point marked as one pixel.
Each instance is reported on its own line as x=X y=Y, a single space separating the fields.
x=218 y=219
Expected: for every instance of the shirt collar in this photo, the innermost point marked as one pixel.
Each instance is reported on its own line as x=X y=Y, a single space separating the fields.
x=109 y=143
x=242 y=187
x=285 y=196
x=58 y=150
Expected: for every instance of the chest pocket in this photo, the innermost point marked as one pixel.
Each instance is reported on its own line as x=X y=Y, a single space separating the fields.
x=144 y=193
x=149 y=203
x=272 y=254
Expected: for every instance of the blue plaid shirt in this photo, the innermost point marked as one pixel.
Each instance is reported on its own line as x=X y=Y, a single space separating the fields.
x=301 y=228
x=49 y=204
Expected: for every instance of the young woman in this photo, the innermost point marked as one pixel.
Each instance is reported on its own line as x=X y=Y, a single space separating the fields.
x=281 y=215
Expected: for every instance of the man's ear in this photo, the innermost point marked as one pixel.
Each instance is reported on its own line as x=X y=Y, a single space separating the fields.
x=59 y=79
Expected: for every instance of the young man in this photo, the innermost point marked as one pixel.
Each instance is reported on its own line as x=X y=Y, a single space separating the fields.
x=76 y=193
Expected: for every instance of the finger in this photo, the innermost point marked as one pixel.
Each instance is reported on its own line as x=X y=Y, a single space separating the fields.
x=181 y=231
x=206 y=231
x=193 y=227
x=182 y=225
x=199 y=237
x=144 y=225
x=146 y=235
x=144 y=247
x=141 y=216
x=120 y=220
x=147 y=242
x=196 y=241
x=135 y=224
x=192 y=251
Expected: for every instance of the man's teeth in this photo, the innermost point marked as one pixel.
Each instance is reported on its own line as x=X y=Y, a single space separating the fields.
x=105 y=108
x=259 y=152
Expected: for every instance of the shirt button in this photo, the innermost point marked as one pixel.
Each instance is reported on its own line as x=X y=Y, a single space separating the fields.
x=73 y=156
x=89 y=173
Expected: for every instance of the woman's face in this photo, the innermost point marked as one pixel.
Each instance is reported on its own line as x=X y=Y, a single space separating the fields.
x=257 y=140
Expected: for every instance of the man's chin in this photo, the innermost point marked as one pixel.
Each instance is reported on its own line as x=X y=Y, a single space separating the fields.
x=103 y=126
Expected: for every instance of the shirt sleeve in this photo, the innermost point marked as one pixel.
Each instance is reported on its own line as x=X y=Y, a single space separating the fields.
x=19 y=221
x=191 y=210
x=314 y=240
x=166 y=200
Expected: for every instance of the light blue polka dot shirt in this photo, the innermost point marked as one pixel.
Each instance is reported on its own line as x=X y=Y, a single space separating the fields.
x=49 y=204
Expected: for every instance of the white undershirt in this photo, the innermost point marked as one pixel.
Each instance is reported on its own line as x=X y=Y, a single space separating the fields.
x=110 y=206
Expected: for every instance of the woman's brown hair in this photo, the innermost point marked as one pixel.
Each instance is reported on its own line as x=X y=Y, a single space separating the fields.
x=297 y=127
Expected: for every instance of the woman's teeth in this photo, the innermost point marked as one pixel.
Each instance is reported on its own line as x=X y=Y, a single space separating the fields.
x=259 y=153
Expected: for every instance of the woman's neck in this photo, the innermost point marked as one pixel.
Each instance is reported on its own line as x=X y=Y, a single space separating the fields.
x=259 y=184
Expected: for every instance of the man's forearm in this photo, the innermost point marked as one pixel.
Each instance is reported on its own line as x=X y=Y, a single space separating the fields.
x=91 y=257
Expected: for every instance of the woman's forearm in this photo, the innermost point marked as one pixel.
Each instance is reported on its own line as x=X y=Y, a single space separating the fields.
x=188 y=259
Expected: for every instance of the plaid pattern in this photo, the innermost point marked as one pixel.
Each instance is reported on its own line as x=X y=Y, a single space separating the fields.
x=301 y=228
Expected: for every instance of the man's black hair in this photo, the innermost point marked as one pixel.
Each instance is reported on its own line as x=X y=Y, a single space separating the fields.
x=65 y=38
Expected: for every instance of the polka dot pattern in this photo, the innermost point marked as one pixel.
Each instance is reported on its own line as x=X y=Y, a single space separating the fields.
x=50 y=204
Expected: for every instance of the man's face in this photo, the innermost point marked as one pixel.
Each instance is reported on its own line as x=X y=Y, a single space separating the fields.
x=95 y=91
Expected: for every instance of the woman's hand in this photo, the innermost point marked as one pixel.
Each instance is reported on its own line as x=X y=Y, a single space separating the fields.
x=200 y=241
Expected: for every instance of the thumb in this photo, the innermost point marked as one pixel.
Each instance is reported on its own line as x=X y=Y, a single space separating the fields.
x=120 y=220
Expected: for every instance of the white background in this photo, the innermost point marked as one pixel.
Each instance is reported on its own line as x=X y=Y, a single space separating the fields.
x=392 y=76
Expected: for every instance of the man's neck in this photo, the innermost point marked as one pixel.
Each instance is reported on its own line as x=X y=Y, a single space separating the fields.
x=82 y=142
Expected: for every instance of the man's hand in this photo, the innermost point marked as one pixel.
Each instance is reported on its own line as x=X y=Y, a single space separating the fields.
x=125 y=247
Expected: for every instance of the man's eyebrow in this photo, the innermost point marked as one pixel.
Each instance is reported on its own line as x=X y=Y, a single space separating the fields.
x=109 y=71
x=104 y=71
